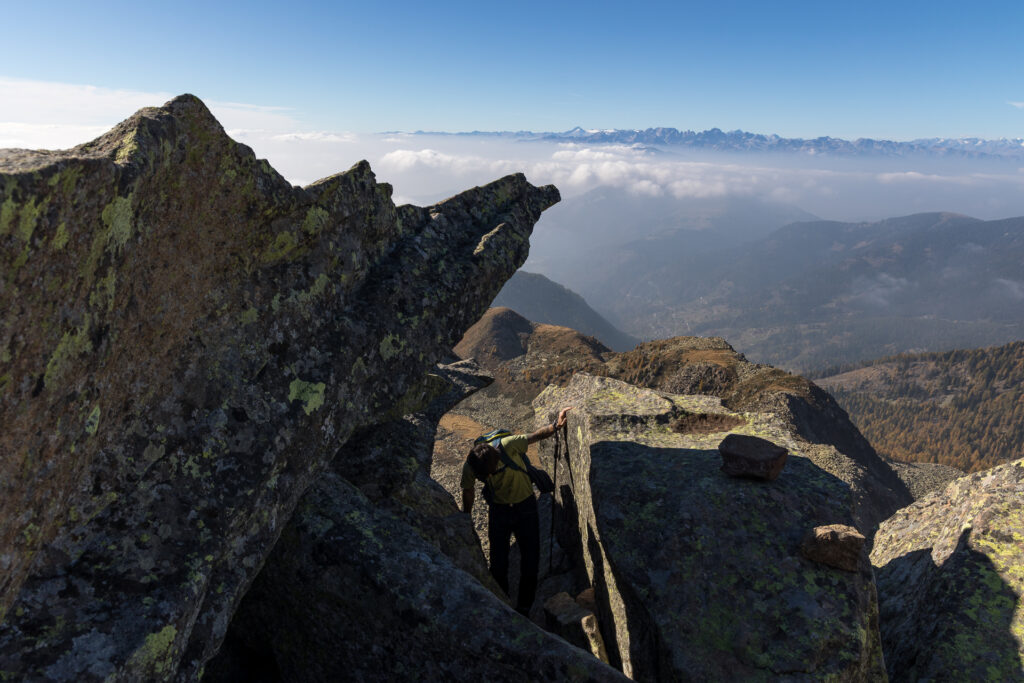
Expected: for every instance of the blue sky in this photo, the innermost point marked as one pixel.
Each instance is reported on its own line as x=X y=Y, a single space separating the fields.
x=866 y=69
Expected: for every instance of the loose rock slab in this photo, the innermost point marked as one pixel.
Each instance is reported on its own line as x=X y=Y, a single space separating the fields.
x=836 y=545
x=751 y=456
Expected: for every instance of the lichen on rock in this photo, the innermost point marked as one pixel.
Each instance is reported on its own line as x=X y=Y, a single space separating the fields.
x=950 y=572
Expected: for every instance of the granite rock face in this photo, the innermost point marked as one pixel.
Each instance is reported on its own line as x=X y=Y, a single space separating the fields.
x=698 y=575
x=950 y=574
x=186 y=341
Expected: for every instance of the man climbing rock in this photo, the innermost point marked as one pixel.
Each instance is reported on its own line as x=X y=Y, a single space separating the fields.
x=499 y=460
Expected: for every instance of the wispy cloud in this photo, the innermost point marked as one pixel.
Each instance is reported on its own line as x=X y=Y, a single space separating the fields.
x=1019 y=105
x=1013 y=288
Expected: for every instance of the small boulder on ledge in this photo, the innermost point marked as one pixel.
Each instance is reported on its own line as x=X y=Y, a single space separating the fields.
x=751 y=456
x=836 y=545
x=575 y=623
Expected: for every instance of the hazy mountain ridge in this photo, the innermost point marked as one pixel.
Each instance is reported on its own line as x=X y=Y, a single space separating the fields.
x=544 y=301
x=819 y=293
x=715 y=139
x=963 y=408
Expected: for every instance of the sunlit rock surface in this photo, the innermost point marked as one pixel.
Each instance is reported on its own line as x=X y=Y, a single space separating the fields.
x=698 y=575
x=186 y=340
x=950 y=573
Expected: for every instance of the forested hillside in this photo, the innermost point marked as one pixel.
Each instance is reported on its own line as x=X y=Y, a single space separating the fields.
x=960 y=408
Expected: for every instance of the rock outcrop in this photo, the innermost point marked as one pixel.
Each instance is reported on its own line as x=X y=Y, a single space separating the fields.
x=950 y=574
x=697 y=575
x=187 y=340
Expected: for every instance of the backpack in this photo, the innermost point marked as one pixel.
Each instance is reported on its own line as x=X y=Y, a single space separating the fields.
x=539 y=477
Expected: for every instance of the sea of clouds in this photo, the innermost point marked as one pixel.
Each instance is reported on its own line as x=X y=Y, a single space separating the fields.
x=427 y=168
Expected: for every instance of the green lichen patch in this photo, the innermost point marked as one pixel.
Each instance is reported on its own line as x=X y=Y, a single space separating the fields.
x=60 y=239
x=92 y=424
x=282 y=246
x=72 y=345
x=8 y=210
x=129 y=146
x=249 y=316
x=390 y=346
x=117 y=217
x=156 y=653
x=311 y=395
x=315 y=221
x=29 y=215
x=102 y=295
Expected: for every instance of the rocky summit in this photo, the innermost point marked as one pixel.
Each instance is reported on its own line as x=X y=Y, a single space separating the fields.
x=186 y=341
x=698 y=575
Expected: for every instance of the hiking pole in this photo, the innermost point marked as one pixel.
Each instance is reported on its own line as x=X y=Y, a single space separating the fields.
x=551 y=531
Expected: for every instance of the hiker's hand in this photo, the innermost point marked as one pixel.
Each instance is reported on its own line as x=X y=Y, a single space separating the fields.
x=562 y=418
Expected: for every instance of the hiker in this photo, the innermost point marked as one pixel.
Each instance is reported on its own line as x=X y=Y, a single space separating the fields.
x=499 y=460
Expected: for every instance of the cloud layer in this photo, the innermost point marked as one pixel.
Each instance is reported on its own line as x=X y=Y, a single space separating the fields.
x=424 y=169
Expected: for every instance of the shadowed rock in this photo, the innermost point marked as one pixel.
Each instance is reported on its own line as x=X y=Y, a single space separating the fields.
x=751 y=456
x=187 y=340
x=836 y=545
x=697 y=575
x=950 y=581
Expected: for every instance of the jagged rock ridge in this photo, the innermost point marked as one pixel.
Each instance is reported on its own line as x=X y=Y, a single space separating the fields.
x=187 y=340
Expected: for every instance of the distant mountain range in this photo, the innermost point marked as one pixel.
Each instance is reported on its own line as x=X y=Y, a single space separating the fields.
x=716 y=139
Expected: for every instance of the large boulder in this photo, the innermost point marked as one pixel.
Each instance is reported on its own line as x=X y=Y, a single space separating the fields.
x=950 y=574
x=698 y=575
x=186 y=341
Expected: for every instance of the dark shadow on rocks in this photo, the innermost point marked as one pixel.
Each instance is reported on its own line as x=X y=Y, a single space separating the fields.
x=699 y=575
x=948 y=622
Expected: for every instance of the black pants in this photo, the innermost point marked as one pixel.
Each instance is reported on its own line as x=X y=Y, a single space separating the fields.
x=520 y=519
